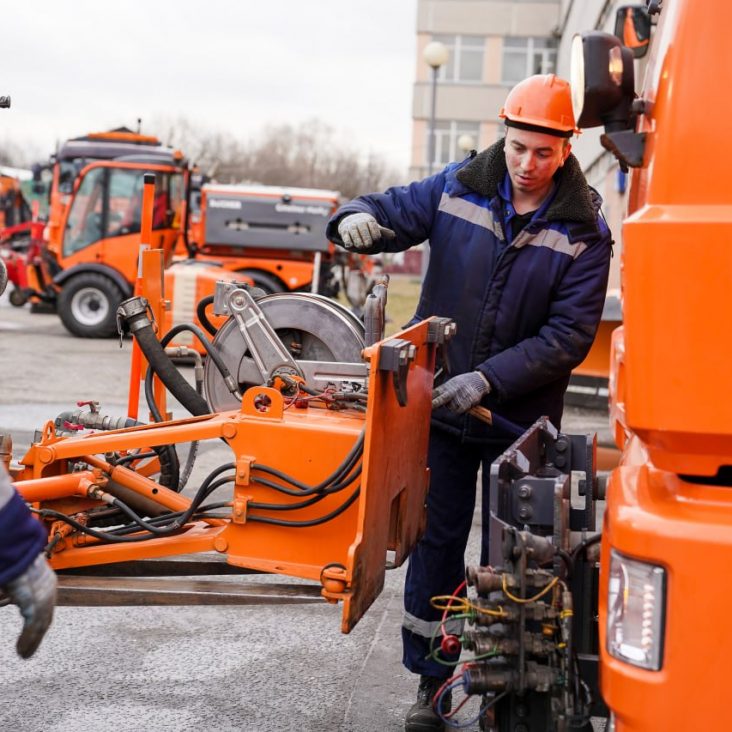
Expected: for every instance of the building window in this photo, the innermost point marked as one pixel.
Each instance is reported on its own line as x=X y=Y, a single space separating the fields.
x=524 y=57
x=447 y=135
x=465 y=63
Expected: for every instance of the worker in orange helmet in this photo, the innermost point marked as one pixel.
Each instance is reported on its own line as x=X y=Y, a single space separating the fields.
x=519 y=259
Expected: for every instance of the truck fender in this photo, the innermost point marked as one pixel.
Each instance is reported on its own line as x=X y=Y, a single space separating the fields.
x=113 y=274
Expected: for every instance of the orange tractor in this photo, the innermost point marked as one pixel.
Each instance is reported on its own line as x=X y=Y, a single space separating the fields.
x=88 y=262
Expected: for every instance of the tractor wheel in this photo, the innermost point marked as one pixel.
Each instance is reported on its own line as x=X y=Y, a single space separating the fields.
x=18 y=297
x=87 y=305
x=263 y=280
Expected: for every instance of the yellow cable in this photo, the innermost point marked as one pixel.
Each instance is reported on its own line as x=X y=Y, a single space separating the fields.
x=450 y=603
x=499 y=613
x=523 y=601
x=462 y=605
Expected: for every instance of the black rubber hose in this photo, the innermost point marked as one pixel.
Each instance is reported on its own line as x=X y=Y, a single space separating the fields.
x=203 y=318
x=337 y=475
x=134 y=313
x=584 y=545
x=310 y=522
x=210 y=350
x=334 y=488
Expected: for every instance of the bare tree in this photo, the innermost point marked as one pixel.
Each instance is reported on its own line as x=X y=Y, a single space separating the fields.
x=306 y=155
x=16 y=155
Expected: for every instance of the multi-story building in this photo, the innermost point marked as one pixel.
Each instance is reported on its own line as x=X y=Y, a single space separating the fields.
x=493 y=44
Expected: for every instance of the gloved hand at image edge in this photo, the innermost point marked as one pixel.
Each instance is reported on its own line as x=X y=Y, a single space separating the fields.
x=26 y=579
x=359 y=231
x=34 y=592
x=461 y=392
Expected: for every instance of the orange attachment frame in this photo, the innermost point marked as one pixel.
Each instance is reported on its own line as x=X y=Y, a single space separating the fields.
x=346 y=553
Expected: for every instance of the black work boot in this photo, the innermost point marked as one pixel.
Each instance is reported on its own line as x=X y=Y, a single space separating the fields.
x=422 y=717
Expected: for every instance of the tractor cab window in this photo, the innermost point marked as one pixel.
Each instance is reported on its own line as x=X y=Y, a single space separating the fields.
x=125 y=201
x=108 y=204
x=85 y=222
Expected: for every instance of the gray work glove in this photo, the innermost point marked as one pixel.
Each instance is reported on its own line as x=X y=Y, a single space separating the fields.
x=461 y=392
x=34 y=592
x=359 y=231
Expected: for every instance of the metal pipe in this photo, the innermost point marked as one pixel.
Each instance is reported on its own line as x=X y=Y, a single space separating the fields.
x=57 y=486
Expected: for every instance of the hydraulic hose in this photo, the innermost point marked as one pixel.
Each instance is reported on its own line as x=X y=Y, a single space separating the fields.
x=133 y=312
x=91 y=420
x=203 y=316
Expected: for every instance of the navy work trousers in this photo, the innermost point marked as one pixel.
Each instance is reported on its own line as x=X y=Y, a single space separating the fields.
x=437 y=564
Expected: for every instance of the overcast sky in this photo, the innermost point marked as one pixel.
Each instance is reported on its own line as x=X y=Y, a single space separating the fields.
x=80 y=66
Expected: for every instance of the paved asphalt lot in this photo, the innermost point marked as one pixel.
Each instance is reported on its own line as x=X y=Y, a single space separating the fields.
x=183 y=668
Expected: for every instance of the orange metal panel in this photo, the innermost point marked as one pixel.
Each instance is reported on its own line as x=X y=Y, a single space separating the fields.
x=677 y=361
x=597 y=363
x=293 y=273
x=391 y=514
x=653 y=515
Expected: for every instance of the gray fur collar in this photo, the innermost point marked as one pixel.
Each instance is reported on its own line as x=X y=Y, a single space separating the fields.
x=574 y=200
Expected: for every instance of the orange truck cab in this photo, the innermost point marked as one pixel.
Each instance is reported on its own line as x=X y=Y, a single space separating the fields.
x=276 y=236
x=667 y=537
x=89 y=261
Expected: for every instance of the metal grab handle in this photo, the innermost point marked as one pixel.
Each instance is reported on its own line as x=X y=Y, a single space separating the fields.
x=266 y=349
x=495 y=420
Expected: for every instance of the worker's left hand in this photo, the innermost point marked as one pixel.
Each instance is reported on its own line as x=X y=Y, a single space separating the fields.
x=461 y=392
x=34 y=592
x=359 y=231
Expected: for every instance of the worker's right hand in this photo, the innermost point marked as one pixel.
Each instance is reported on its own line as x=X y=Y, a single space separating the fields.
x=34 y=592
x=359 y=231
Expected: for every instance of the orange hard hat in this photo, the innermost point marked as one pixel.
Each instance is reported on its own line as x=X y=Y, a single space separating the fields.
x=542 y=103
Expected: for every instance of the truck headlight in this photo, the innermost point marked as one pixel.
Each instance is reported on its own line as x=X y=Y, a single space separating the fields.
x=635 y=611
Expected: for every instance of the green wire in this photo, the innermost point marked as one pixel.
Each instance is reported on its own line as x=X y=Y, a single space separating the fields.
x=434 y=651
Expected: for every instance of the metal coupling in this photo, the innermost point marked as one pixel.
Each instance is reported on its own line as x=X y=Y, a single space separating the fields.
x=94 y=491
x=135 y=313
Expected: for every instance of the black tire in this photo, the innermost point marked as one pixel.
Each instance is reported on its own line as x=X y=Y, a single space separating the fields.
x=87 y=305
x=264 y=281
x=18 y=297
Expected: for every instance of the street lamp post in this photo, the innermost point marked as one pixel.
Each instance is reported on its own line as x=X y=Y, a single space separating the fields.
x=435 y=54
x=466 y=143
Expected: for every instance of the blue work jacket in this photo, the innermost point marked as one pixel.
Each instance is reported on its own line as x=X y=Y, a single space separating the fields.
x=526 y=310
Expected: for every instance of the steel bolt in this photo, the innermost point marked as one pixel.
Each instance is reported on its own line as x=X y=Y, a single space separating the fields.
x=525 y=512
x=524 y=491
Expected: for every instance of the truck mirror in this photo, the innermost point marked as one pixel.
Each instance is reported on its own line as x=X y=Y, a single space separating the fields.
x=633 y=28
x=603 y=93
x=602 y=81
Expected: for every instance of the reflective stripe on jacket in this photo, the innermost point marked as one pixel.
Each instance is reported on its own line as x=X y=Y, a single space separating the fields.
x=526 y=312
